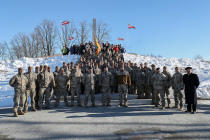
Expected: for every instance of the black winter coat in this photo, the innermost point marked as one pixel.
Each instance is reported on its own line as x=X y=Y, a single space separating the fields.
x=191 y=83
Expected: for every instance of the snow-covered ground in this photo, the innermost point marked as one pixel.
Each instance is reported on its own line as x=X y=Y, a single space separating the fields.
x=9 y=69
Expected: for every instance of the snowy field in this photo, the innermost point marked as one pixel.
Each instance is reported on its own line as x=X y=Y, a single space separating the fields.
x=9 y=69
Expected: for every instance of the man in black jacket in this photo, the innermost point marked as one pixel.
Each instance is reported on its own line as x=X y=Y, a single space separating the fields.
x=191 y=82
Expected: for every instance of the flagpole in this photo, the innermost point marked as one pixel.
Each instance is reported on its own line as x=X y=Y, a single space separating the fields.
x=127 y=38
x=61 y=37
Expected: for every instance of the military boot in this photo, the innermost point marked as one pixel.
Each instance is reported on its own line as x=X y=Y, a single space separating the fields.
x=47 y=107
x=169 y=105
x=103 y=104
x=93 y=105
x=126 y=105
x=108 y=104
x=120 y=105
x=26 y=110
x=79 y=105
x=20 y=112
x=33 y=109
x=163 y=108
x=71 y=105
x=15 y=114
x=175 y=106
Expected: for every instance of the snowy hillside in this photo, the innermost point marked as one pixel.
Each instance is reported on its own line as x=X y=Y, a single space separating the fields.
x=9 y=68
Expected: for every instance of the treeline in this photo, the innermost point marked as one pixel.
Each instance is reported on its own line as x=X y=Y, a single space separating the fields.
x=46 y=38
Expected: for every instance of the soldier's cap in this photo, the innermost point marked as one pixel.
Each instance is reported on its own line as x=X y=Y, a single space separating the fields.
x=145 y=63
x=158 y=69
x=188 y=68
x=122 y=66
x=57 y=67
x=72 y=62
x=135 y=63
x=68 y=64
x=41 y=66
x=45 y=66
x=105 y=66
x=177 y=68
x=153 y=65
x=165 y=67
x=75 y=66
x=141 y=64
x=20 y=69
x=64 y=62
x=61 y=69
x=36 y=67
x=30 y=67
x=90 y=67
x=49 y=67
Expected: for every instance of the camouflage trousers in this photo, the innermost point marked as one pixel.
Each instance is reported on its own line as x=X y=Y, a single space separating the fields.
x=166 y=91
x=97 y=88
x=147 y=91
x=37 y=97
x=47 y=93
x=32 y=94
x=55 y=93
x=75 y=91
x=133 y=89
x=123 y=89
x=59 y=93
x=106 y=94
x=140 y=91
x=89 y=90
x=112 y=89
x=162 y=95
x=178 y=97
x=18 y=96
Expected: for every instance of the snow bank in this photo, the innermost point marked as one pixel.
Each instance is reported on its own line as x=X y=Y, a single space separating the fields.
x=9 y=69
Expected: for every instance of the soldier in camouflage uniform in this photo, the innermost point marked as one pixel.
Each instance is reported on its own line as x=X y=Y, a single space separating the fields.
x=167 y=85
x=177 y=86
x=30 y=88
x=64 y=65
x=106 y=81
x=37 y=88
x=97 y=72
x=19 y=83
x=76 y=80
x=55 y=73
x=158 y=80
x=133 y=82
x=151 y=87
x=89 y=82
x=140 y=80
x=146 y=85
x=60 y=84
x=113 y=71
x=45 y=83
x=123 y=80
x=51 y=85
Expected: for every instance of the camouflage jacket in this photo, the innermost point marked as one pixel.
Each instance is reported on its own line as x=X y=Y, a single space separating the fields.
x=106 y=79
x=61 y=81
x=139 y=78
x=89 y=79
x=158 y=79
x=19 y=82
x=150 y=74
x=133 y=73
x=55 y=73
x=32 y=79
x=76 y=78
x=45 y=79
x=177 y=81
x=167 y=82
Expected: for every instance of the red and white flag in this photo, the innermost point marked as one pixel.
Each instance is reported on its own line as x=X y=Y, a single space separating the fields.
x=65 y=22
x=70 y=38
x=121 y=39
x=129 y=26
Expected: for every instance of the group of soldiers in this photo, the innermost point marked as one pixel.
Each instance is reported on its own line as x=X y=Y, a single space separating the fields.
x=105 y=72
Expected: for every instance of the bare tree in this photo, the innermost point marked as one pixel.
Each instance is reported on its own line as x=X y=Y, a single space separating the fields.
x=82 y=32
x=19 y=45
x=47 y=31
x=3 y=52
x=198 y=56
x=10 y=52
x=102 y=31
